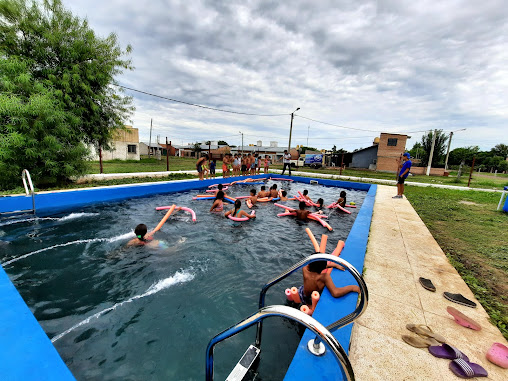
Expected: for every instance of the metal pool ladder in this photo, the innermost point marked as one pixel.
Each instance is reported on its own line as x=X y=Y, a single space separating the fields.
x=315 y=346
x=29 y=189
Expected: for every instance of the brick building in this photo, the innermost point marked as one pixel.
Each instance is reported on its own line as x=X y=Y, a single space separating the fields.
x=389 y=151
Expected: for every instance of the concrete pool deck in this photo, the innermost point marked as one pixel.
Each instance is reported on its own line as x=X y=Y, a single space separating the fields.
x=400 y=250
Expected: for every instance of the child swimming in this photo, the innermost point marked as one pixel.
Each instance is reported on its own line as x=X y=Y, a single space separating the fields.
x=306 y=195
x=253 y=198
x=144 y=238
x=218 y=203
x=314 y=280
x=302 y=214
x=273 y=191
x=283 y=196
x=342 y=199
x=263 y=192
x=237 y=212
x=320 y=206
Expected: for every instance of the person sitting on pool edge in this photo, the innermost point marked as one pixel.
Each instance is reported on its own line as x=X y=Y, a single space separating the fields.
x=314 y=280
x=237 y=212
x=144 y=238
x=302 y=214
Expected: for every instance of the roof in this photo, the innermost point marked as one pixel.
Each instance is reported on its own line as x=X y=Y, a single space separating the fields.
x=153 y=145
x=364 y=149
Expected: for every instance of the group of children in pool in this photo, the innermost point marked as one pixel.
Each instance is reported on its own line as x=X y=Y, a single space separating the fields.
x=314 y=278
x=233 y=165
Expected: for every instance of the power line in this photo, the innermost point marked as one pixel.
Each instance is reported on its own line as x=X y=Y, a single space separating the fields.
x=196 y=105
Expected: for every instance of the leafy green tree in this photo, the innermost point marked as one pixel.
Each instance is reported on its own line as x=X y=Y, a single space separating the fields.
x=464 y=153
x=439 y=147
x=222 y=143
x=417 y=151
x=66 y=54
x=500 y=150
x=36 y=131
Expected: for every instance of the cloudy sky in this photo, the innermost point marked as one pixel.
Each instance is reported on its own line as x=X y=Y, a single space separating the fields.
x=370 y=66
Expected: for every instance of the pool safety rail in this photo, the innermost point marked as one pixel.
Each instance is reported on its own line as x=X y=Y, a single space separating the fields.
x=279 y=311
x=29 y=190
x=315 y=346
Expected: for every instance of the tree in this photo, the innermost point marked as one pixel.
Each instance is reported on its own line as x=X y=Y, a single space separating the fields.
x=465 y=154
x=304 y=149
x=500 y=150
x=417 y=151
x=65 y=53
x=197 y=147
x=222 y=143
x=36 y=131
x=439 y=147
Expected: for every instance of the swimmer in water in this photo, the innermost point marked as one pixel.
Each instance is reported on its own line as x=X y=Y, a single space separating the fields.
x=283 y=195
x=253 y=198
x=302 y=214
x=215 y=191
x=342 y=199
x=306 y=195
x=237 y=212
x=273 y=191
x=144 y=238
x=218 y=204
x=263 y=192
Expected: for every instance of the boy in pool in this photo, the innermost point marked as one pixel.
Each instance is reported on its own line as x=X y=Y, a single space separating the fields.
x=342 y=199
x=306 y=195
x=236 y=212
x=144 y=238
x=253 y=198
x=273 y=191
x=313 y=280
x=283 y=196
x=302 y=214
x=263 y=192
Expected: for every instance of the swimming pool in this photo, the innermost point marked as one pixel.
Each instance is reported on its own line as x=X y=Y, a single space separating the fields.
x=136 y=314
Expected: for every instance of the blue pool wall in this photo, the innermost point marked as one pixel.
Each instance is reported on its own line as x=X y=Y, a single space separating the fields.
x=26 y=353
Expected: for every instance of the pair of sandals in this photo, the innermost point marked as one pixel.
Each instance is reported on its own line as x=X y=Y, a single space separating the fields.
x=456 y=298
x=460 y=364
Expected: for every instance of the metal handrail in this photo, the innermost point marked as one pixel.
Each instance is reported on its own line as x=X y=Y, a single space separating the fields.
x=290 y=313
x=24 y=176
x=360 y=309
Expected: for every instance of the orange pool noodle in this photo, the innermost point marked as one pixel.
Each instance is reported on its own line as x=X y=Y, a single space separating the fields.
x=295 y=296
x=312 y=239
x=322 y=247
x=315 y=299
x=287 y=291
x=306 y=310
x=166 y=217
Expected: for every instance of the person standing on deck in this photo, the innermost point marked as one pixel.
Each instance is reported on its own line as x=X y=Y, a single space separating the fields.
x=286 y=159
x=403 y=174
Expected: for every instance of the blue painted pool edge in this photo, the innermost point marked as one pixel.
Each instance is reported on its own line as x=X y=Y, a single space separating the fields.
x=26 y=353
x=306 y=366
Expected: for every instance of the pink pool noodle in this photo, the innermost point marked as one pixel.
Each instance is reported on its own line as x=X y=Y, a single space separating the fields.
x=306 y=310
x=324 y=223
x=315 y=300
x=287 y=291
x=286 y=214
x=241 y=197
x=322 y=245
x=280 y=179
x=285 y=207
x=295 y=296
x=216 y=185
x=350 y=206
x=216 y=190
x=193 y=214
x=240 y=219
x=335 y=205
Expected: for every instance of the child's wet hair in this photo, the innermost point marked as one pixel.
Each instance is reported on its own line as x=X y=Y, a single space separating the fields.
x=343 y=194
x=320 y=201
x=219 y=187
x=220 y=195
x=302 y=205
x=284 y=193
x=317 y=266
x=140 y=231
x=253 y=192
x=305 y=192
x=274 y=186
x=263 y=187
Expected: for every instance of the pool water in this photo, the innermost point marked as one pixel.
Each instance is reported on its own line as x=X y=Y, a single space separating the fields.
x=138 y=313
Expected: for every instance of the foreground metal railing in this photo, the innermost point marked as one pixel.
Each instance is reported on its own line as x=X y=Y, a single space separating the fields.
x=290 y=313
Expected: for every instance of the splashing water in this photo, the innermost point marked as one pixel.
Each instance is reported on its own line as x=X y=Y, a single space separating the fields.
x=79 y=241
x=77 y=215
x=178 y=277
x=65 y=218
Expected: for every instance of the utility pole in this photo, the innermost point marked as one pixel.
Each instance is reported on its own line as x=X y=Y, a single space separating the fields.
x=242 y=140
x=150 y=141
x=431 y=152
x=291 y=129
x=471 y=172
x=308 y=130
x=341 y=163
x=448 y=150
x=167 y=154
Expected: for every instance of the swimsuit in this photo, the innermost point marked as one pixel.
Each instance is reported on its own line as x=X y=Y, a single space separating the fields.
x=219 y=208
x=304 y=298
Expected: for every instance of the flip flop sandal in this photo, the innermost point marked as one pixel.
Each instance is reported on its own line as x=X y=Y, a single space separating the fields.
x=498 y=354
x=466 y=369
x=463 y=320
x=458 y=298
x=427 y=284
x=425 y=331
x=419 y=342
x=448 y=352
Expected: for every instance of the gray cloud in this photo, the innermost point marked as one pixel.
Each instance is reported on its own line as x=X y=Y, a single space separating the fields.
x=381 y=65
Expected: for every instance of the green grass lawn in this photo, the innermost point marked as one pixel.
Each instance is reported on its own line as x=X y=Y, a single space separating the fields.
x=479 y=181
x=474 y=236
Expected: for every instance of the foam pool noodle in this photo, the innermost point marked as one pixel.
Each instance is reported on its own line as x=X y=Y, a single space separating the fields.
x=295 y=296
x=306 y=309
x=312 y=239
x=322 y=247
x=315 y=299
x=287 y=291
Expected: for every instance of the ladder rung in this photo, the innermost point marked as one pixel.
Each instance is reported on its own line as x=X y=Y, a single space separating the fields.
x=243 y=366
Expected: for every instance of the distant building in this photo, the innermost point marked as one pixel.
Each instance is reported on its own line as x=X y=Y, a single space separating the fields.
x=125 y=146
x=383 y=155
x=153 y=149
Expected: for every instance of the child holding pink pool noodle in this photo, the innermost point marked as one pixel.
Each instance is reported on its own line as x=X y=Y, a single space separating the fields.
x=342 y=199
x=314 y=280
x=143 y=237
x=218 y=203
x=237 y=212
